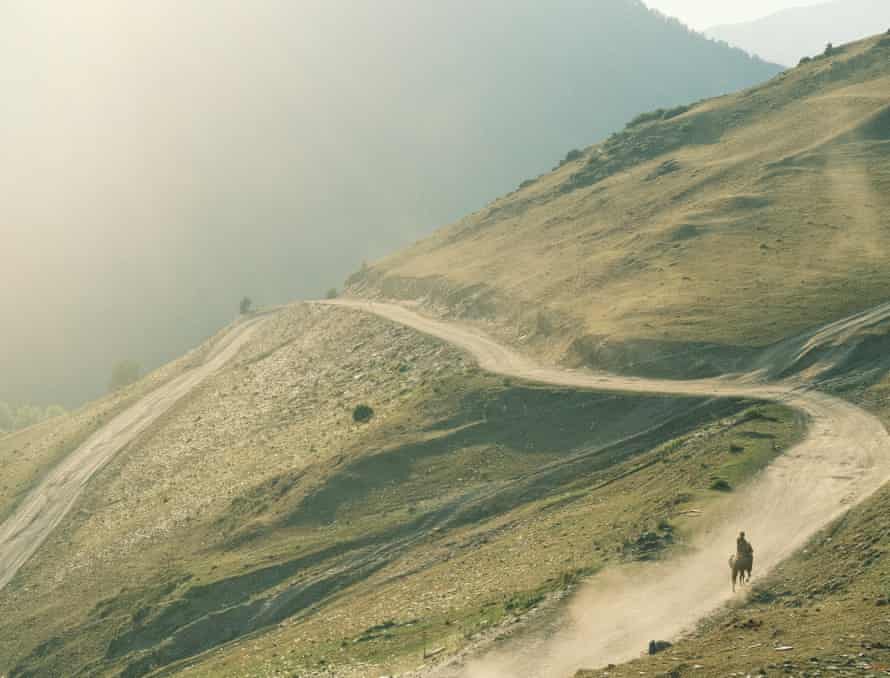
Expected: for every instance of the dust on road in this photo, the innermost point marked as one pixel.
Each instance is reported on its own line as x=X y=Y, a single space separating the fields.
x=844 y=459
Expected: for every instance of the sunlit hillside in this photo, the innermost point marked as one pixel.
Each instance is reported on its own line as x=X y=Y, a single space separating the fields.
x=727 y=224
x=336 y=490
x=164 y=160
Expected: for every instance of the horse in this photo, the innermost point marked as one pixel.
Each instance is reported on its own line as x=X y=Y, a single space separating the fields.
x=741 y=565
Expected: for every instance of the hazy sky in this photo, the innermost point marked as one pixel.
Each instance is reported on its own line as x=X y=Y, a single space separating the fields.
x=701 y=14
x=163 y=158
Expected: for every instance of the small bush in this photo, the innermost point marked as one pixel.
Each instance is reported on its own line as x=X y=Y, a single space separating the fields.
x=804 y=61
x=14 y=417
x=571 y=156
x=721 y=485
x=829 y=50
x=520 y=602
x=658 y=114
x=525 y=184
x=123 y=374
x=246 y=305
x=643 y=118
x=362 y=414
x=567 y=579
x=332 y=293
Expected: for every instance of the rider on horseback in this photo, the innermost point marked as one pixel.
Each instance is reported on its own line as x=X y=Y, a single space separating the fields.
x=742 y=562
x=743 y=547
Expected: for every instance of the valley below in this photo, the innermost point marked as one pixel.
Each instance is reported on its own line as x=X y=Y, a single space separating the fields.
x=523 y=446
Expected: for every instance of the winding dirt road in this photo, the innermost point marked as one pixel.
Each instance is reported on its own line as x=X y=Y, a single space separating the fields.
x=48 y=503
x=844 y=458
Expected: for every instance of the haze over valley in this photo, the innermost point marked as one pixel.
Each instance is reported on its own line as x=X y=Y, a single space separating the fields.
x=442 y=340
x=164 y=160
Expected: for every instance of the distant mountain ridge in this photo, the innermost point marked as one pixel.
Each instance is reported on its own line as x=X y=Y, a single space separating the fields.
x=787 y=36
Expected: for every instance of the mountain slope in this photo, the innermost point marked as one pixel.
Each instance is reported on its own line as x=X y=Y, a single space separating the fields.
x=689 y=241
x=260 y=528
x=787 y=36
x=826 y=607
x=22 y=533
x=257 y=527
x=273 y=169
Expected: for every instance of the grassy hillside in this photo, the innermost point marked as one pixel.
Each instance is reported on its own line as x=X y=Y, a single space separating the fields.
x=370 y=123
x=824 y=612
x=828 y=606
x=722 y=226
x=258 y=528
x=261 y=528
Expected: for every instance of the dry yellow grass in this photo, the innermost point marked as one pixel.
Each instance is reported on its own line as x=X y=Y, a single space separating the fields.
x=439 y=512
x=762 y=213
x=766 y=214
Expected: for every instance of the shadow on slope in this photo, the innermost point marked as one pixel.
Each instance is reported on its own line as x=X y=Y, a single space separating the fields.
x=495 y=451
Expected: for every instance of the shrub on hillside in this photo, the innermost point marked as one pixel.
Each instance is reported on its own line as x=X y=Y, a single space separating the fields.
x=246 y=305
x=15 y=417
x=522 y=602
x=359 y=276
x=123 y=374
x=721 y=485
x=525 y=184
x=332 y=293
x=659 y=114
x=571 y=156
x=362 y=413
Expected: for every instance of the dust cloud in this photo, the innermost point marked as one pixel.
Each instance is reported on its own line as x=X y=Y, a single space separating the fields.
x=844 y=459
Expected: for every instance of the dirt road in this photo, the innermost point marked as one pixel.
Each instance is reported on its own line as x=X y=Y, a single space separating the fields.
x=43 y=509
x=845 y=458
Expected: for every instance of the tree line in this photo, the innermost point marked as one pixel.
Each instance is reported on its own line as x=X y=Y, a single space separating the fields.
x=15 y=417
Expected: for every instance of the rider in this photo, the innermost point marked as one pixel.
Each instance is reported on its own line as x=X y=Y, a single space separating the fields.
x=743 y=546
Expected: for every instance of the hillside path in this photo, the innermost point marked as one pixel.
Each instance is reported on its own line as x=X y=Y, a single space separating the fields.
x=844 y=459
x=48 y=503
